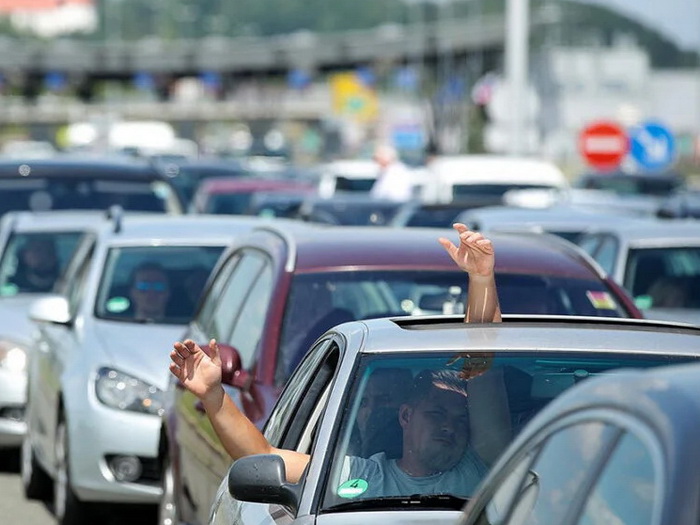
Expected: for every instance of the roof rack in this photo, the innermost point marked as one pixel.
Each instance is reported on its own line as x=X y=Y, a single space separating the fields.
x=115 y=213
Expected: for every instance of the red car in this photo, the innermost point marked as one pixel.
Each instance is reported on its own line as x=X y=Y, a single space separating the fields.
x=235 y=195
x=281 y=286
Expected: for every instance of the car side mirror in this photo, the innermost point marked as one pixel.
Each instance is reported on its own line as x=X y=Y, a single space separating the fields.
x=232 y=372
x=50 y=309
x=262 y=478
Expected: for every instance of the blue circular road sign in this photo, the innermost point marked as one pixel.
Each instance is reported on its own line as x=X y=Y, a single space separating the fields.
x=652 y=145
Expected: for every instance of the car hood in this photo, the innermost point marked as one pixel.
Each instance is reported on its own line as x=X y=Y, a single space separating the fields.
x=404 y=517
x=141 y=350
x=14 y=322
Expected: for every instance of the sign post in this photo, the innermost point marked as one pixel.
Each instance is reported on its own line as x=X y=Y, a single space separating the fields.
x=603 y=144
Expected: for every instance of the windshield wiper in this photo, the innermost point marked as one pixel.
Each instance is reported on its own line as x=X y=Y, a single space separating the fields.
x=417 y=501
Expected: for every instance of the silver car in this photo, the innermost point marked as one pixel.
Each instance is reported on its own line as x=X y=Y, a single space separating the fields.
x=35 y=249
x=99 y=368
x=403 y=417
x=657 y=261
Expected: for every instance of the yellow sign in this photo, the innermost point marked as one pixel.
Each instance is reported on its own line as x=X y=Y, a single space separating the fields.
x=352 y=98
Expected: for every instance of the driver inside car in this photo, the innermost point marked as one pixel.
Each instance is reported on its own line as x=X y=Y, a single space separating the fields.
x=434 y=418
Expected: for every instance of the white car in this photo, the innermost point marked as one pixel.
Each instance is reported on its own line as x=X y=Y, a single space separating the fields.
x=456 y=177
x=35 y=249
x=100 y=364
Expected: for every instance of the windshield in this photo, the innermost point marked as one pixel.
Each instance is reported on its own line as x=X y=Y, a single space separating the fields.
x=33 y=262
x=159 y=284
x=468 y=190
x=424 y=423
x=86 y=194
x=664 y=277
x=319 y=301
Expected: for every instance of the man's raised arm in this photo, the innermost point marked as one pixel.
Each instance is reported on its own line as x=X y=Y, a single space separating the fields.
x=199 y=371
x=475 y=255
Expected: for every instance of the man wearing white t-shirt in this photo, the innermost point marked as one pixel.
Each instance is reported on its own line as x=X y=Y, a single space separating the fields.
x=394 y=181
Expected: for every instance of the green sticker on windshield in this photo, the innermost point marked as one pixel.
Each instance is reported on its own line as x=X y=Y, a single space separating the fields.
x=9 y=289
x=352 y=488
x=117 y=305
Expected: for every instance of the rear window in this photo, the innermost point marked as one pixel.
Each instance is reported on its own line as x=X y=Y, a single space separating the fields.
x=467 y=190
x=86 y=194
x=319 y=301
x=353 y=184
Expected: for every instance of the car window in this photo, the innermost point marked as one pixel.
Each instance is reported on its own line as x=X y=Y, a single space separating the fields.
x=204 y=316
x=667 y=277
x=237 y=288
x=33 y=262
x=589 y=243
x=401 y=401
x=506 y=490
x=624 y=493
x=319 y=301
x=250 y=323
x=566 y=462
x=606 y=254
x=293 y=393
x=56 y=193
x=157 y=283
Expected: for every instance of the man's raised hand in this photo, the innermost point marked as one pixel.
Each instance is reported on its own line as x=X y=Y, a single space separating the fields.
x=198 y=369
x=474 y=254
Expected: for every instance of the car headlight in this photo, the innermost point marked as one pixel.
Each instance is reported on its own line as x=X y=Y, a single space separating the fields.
x=124 y=392
x=12 y=357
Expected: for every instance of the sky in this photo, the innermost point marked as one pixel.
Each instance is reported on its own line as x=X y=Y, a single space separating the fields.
x=679 y=20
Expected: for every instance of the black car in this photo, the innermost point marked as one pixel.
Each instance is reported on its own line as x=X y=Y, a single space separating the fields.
x=74 y=183
x=616 y=449
x=659 y=184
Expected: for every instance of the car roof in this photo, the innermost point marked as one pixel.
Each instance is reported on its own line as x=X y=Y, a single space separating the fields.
x=180 y=229
x=527 y=333
x=72 y=167
x=314 y=247
x=56 y=220
x=559 y=215
x=497 y=169
x=655 y=232
x=245 y=185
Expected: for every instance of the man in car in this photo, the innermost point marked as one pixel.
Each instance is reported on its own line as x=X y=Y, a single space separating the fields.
x=38 y=266
x=434 y=419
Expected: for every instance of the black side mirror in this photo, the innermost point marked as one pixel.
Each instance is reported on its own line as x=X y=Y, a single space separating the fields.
x=261 y=478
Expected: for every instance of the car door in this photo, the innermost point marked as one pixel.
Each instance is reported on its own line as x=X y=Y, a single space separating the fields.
x=591 y=471
x=291 y=425
x=53 y=346
x=202 y=459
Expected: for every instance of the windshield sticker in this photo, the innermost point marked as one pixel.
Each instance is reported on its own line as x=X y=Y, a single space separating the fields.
x=352 y=488
x=117 y=305
x=601 y=300
x=9 y=289
x=643 y=302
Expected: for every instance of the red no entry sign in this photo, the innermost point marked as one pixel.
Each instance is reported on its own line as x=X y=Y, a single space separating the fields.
x=603 y=144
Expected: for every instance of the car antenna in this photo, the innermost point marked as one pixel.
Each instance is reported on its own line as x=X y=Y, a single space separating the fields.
x=116 y=213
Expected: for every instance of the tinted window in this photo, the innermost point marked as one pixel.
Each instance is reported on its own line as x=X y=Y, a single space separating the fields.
x=319 y=301
x=154 y=283
x=624 y=494
x=85 y=194
x=233 y=295
x=228 y=203
x=33 y=262
x=251 y=320
x=565 y=462
x=670 y=277
x=209 y=302
x=606 y=255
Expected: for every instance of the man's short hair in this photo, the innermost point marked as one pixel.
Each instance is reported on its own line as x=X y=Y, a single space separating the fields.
x=147 y=266
x=428 y=380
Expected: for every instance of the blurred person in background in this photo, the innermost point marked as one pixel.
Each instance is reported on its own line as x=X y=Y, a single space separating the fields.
x=37 y=266
x=394 y=180
x=149 y=291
